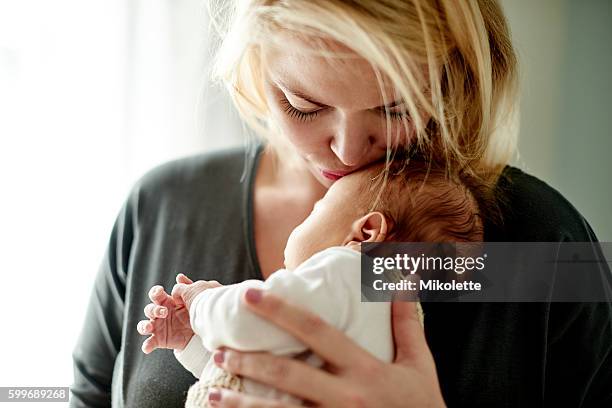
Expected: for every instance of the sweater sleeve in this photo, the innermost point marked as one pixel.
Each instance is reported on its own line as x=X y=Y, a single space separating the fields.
x=579 y=362
x=194 y=356
x=99 y=342
x=319 y=285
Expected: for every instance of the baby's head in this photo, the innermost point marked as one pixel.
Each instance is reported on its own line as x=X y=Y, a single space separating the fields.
x=419 y=203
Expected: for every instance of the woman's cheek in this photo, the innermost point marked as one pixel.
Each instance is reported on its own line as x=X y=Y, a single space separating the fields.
x=302 y=136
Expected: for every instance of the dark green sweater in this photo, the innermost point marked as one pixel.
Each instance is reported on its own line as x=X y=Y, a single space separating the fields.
x=195 y=215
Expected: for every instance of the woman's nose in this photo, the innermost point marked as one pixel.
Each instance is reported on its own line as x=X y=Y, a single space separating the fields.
x=351 y=145
x=352 y=151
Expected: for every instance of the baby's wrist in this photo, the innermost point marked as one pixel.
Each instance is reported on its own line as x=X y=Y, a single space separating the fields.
x=186 y=343
x=189 y=296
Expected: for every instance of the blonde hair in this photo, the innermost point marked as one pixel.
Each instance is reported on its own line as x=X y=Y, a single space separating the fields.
x=470 y=92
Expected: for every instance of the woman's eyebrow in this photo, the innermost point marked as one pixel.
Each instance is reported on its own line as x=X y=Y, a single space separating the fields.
x=312 y=100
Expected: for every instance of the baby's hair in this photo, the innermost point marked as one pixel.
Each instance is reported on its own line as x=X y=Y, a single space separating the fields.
x=422 y=202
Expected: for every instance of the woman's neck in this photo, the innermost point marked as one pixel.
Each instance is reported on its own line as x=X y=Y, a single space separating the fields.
x=289 y=174
x=283 y=198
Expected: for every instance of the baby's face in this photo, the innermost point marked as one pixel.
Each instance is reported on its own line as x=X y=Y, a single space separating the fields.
x=329 y=223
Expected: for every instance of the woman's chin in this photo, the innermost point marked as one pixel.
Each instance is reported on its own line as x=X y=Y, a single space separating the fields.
x=325 y=182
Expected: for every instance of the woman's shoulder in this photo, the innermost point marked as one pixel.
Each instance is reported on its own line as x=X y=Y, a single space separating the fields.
x=195 y=182
x=220 y=165
x=533 y=210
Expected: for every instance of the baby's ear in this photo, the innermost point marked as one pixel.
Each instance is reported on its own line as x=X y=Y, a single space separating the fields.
x=372 y=227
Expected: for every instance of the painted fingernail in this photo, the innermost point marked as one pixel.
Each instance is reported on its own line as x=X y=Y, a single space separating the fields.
x=214 y=395
x=253 y=295
x=219 y=357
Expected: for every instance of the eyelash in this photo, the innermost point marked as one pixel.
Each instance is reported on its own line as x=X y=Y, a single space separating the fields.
x=297 y=114
x=292 y=112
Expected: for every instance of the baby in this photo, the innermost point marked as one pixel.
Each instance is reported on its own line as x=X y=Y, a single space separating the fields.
x=322 y=263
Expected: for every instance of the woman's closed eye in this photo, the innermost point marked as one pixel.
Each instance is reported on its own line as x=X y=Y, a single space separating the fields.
x=305 y=116
x=396 y=114
x=294 y=112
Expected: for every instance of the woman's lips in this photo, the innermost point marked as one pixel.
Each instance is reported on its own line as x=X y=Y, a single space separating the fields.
x=333 y=175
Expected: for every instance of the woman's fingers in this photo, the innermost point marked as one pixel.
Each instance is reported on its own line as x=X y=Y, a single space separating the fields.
x=153 y=311
x=329 y=343
x=287 y=374
x=231 y=399
x=408 y=333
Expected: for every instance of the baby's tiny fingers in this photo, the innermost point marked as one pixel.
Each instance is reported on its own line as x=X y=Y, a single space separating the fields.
x=178 y=289
x=144 y=327
x=153 y=311
x=214 y=283
x=149 y=344
x=177 y=292
x=182 y=278
x=155 y=290
x=160 y=311
x=157 y=294
x=148 y=310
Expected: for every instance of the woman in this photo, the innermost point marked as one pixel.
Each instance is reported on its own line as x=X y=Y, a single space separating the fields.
x=332 y=86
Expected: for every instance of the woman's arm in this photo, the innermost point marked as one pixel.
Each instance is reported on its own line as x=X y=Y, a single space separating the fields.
x=579 y=355
x=100 y=339
x=579 y=340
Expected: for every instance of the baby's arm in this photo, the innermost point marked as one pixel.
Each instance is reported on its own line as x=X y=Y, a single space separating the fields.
x=194 y=356
x=327 y=286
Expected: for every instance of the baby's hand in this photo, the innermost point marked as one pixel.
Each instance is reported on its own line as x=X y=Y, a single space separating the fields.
x=168 y=322
x=184 y=293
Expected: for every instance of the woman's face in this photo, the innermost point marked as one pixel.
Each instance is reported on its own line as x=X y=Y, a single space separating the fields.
x=333 y=115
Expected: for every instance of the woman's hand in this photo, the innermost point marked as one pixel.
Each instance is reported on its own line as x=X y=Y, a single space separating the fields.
x=352 y=377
